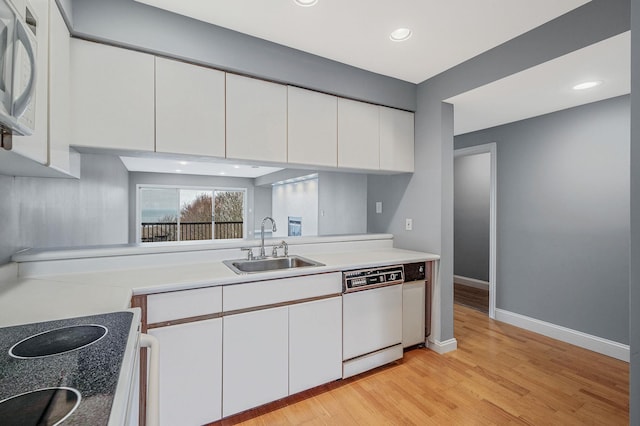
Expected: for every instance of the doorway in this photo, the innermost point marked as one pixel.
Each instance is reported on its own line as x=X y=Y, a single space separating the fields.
x=475 y=227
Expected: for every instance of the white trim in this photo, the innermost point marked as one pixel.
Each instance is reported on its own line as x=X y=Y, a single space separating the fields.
x=442 y=347
x=471 y=282
x=574 y=337
x=491 y=148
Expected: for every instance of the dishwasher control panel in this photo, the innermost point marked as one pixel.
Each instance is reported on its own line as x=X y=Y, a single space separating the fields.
x=365 y=279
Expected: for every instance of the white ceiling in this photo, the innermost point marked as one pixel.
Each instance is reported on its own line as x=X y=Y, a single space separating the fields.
x=206 y=168
x=548 y=87
x=356 y=32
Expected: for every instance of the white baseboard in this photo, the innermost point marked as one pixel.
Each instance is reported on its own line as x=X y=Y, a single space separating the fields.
x=442 y=347
x=578 y=338
x=471 y=282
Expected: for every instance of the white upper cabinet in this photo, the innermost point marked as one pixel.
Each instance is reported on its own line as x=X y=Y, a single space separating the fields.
x=256 y=119
x=59 y=91
x=312 y=128
x=190 y=108
x=112 y=97
x=358 y=135
x=396 y=140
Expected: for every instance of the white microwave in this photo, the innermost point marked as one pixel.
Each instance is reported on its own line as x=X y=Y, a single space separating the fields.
x=18 y=47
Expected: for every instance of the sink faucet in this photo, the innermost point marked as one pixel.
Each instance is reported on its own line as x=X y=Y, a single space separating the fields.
x=283 y=244
x=262 y=254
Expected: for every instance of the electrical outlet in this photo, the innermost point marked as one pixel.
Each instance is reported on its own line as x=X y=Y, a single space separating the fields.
x=378 y=207
x=408 y=224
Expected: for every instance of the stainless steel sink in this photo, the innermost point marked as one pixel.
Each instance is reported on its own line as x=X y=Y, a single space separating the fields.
x=245 y=266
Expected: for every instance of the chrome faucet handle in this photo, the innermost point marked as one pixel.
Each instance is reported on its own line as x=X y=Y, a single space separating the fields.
x=250 y=252
x=284 y=245
x=274 y=251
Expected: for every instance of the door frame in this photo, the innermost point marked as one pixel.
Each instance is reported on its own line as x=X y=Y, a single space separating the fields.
x=490 y=148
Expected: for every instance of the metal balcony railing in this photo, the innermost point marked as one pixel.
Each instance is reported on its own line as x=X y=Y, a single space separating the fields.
x=190 y=231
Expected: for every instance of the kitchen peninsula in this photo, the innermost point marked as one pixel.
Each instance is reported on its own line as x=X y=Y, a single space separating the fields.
x=186 y=292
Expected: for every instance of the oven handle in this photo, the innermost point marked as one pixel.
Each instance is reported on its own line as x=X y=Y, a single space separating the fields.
x=153 y=388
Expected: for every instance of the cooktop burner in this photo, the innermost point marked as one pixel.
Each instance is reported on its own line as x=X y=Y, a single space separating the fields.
x=48 y=407
x=58 y=341
x=47 y=368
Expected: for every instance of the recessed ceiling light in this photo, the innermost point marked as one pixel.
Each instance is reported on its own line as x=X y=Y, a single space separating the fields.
x=178 y=171
x=587 y=85
x=221 y=173
x=236 y=167
x=184 y=163
x=305 y=3
x=401 y=34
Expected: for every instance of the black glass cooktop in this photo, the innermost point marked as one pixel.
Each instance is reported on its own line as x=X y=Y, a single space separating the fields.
x=48 y=368
x=46 y=407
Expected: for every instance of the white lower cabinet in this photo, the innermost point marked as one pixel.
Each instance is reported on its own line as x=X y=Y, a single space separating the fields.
x=413 y=313
x=190 y=372
x=315 y=343
x=255 y=355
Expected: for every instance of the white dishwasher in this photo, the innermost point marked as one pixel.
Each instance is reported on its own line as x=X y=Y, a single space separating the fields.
x=372 y=318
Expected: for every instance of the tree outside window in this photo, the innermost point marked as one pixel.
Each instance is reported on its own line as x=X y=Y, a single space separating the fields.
x=203 y=214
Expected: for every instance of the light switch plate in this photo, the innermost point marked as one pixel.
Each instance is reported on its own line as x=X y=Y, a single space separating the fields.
x=378 y=207
x=408 y=224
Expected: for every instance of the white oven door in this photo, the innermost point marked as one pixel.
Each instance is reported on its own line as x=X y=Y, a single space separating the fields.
x=372 y=320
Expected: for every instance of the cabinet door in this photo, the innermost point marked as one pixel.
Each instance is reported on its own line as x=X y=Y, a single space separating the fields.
x=189 y=109
x=255 y=355
x=358 y=135
x=256 y=119
x=190 y=372
x=315 y=343
x=36 y=145
x=112 y=97
x=59 y=91
x=396 y=140
x=413 y=309
x=312 y=128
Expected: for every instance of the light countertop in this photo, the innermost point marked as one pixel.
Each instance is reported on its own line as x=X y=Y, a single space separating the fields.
x=24 y=300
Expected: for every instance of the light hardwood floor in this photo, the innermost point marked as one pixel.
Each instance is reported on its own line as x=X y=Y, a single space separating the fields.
x=500 y=374
x=471 y=297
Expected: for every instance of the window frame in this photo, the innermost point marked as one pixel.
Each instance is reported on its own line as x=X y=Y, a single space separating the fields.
x=213 y=189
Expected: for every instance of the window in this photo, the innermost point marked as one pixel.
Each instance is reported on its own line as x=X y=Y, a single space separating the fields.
x=188 y=214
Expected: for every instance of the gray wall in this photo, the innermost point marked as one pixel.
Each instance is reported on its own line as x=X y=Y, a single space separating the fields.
x=427 y=197
x=563 y=209
x=342 y=197
x=128 y=23
x=44 y=212
x=634 y=287
x=140 y=178
x=471 y=189
x=262 y=205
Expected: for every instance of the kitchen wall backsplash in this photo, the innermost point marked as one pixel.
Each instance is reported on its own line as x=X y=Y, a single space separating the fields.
x=45 y=212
